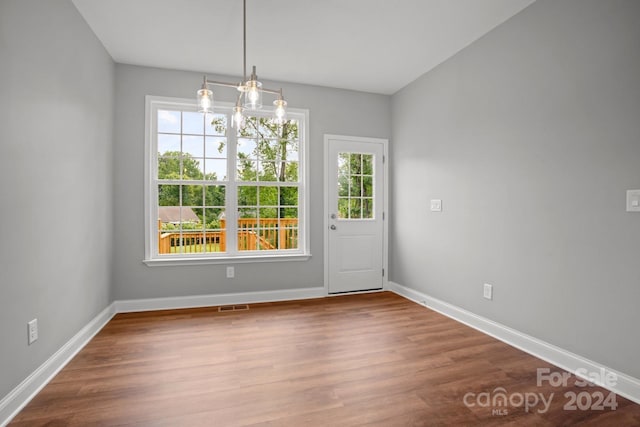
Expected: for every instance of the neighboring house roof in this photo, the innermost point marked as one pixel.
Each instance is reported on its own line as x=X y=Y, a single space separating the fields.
x=176 y=214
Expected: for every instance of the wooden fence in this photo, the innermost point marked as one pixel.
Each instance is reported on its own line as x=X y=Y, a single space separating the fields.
x=253 y=234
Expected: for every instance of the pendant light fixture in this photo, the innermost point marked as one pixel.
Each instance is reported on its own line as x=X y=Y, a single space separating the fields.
x=250 y=90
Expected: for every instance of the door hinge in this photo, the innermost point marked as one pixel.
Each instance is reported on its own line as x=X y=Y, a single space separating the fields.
x=383 y=216
x=384 y=159
x=383 y=272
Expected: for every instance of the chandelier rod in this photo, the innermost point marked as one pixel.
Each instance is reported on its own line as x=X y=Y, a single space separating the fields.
x=244 y=40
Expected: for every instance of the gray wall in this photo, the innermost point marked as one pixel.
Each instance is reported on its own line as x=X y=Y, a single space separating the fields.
x=530 y=136
x=56 y=122
x=330 y=110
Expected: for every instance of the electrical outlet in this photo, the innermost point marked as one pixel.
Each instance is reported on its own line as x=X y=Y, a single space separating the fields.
x=32 y=329
x=231 y=272
x=488 y=291
x=633 y=200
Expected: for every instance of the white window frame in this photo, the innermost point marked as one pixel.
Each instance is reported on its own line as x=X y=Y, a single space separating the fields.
x=153 y=258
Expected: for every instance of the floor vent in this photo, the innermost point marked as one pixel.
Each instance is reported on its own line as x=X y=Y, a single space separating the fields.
x=233 y=307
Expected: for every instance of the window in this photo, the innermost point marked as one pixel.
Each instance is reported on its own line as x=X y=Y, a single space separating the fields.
x=355 y=186
x=214 y=192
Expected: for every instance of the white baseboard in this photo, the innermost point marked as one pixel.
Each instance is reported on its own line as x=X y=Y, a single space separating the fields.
x=18 y=398
x=126 y=306
x=626 y=386
x=12 y=403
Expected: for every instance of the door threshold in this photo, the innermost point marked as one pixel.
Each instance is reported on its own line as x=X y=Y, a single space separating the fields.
x=363 y=291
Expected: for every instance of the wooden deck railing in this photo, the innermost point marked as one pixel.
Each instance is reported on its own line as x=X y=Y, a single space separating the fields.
x=253 y=234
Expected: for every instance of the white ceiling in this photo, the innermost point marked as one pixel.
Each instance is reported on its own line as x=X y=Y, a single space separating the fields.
x=367 y=45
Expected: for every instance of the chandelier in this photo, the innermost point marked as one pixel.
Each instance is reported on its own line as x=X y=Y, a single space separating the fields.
x=250 y=91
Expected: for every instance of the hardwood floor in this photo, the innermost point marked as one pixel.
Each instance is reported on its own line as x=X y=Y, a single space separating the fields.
x=372 y=359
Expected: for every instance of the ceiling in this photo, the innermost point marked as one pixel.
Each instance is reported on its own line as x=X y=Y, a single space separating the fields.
x=374 y=46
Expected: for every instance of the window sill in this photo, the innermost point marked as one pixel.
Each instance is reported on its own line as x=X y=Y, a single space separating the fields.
x=159 y=262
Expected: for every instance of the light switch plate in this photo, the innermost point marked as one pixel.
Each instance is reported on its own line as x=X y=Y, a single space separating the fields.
x=436 y=205
x=633 y=200
x=487 y=291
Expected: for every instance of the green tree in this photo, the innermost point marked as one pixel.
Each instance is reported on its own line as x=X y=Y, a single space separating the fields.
x=276 y=146
x=275 y=142
x=355 y=185
x=195 y=195
x=169 y=166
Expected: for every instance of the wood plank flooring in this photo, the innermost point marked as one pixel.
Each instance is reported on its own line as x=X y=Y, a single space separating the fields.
x=371 y=359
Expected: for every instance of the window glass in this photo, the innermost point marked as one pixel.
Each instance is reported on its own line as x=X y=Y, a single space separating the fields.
x=193 y=212
x=355 y=186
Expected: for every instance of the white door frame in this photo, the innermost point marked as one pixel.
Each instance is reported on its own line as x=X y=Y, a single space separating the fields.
x=385 y=222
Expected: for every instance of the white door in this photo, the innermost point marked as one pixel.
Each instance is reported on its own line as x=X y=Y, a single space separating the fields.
x=355 y=205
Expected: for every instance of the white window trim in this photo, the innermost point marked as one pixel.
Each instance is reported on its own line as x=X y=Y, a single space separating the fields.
x=151 y=257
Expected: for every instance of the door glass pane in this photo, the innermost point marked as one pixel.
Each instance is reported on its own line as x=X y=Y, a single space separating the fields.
x=367 y=165
x=356 y=193
x=343 y=208
x=367 y=208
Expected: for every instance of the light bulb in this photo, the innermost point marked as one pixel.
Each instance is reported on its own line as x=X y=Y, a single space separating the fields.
x=253 y=95
x=238 y=118
x=205 y=100
x=280 y=112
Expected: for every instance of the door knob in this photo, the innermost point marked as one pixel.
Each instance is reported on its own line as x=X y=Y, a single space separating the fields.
x=333 y=227
x=333 y=216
